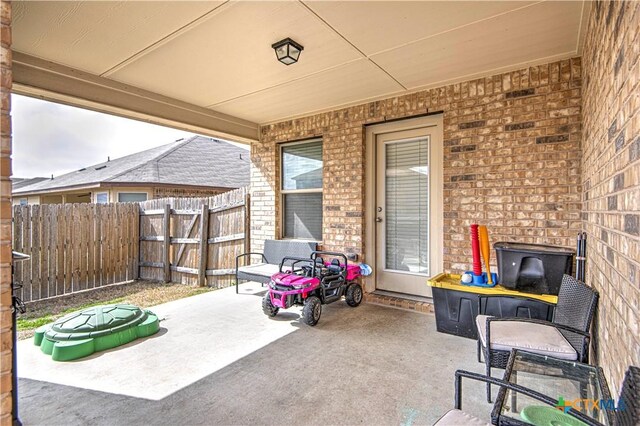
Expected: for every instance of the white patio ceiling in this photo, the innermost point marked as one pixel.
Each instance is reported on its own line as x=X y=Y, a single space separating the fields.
x=215 y=58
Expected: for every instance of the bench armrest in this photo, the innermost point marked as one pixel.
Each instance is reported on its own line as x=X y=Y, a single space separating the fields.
x=248 y=254
x=238 y=264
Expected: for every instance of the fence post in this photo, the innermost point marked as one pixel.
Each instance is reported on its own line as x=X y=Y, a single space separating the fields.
x=247 y=224
x=136 y=241
x=167 y=243
x=204 y=246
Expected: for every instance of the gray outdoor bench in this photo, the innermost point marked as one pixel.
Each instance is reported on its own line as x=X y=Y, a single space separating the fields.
x=274 y=252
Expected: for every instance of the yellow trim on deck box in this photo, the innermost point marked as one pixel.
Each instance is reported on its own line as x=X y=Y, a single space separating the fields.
x=452 y=282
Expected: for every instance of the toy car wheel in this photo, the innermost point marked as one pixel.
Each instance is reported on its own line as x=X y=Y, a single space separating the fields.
x=354 y=295
x=267 y=307
x=312 y=310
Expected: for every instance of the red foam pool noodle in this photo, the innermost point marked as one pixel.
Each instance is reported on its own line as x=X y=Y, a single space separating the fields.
x=475 y=248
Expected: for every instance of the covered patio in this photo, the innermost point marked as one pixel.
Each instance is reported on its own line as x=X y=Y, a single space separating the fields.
x=521 y=116
x=218 y=360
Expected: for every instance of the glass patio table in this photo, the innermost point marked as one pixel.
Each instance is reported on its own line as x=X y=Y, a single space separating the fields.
x=575 y=385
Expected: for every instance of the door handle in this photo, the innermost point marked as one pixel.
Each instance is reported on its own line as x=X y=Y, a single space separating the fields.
x=378 y=219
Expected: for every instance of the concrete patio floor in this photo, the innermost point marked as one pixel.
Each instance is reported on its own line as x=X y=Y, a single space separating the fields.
x=219 y=360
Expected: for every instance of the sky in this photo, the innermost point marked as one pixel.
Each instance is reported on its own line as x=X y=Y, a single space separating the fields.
x=50 y=138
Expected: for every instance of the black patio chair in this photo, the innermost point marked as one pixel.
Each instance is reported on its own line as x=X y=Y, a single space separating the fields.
x=457 y=417
x=566 y=336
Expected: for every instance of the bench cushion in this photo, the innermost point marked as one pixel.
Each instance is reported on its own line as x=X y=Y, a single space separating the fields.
x=459 y=418
x=530 y=337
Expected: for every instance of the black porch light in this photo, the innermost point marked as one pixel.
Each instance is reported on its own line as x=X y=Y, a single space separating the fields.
x=287 y=51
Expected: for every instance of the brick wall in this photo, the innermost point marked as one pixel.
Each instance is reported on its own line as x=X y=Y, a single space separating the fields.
x=511 y=160
x=611 y=178
x=5 y=214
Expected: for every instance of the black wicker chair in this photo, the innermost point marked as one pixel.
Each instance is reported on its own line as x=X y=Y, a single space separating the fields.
x=626 y=414
x=457 y=417
x=566 y=336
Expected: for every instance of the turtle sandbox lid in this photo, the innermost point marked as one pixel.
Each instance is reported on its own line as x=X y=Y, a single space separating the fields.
x=95 y=329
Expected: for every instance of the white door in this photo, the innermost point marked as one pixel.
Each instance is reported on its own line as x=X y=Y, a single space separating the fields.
x=408 y=209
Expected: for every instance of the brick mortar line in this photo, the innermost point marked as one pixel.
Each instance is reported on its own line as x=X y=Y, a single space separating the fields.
x=604 y=140
x=608 y=264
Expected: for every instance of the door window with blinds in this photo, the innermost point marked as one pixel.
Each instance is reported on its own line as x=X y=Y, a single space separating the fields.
x=302 y=190
x=407 y=205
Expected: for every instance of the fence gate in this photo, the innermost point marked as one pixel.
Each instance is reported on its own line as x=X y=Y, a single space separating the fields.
x=194 y=240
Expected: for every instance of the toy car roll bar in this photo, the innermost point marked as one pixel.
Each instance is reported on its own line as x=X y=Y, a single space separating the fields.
x=295 y=261
x=343 y=266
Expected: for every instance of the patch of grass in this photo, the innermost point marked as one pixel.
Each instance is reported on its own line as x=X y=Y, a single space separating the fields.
x=31 y=324
x=26 y=322
x=142 y=293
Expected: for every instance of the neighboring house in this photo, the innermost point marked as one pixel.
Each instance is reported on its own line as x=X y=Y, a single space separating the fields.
x=194 y=167
x=18 y=183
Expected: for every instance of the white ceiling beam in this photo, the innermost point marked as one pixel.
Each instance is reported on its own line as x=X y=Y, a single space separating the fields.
x=58 y=83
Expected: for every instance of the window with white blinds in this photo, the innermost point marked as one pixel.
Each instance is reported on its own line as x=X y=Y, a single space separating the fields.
x=302 y=190
x=407 y=206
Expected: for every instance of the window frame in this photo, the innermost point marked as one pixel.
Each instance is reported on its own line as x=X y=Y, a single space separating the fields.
x=132 y=192
x=284 y=192
x=102 y=193
x=430 y=121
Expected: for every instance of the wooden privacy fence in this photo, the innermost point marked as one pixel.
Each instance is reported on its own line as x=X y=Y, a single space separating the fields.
x=74 y=247
x=194 y=240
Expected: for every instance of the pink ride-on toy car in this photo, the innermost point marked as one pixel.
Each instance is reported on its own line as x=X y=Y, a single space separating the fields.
x=313 y=282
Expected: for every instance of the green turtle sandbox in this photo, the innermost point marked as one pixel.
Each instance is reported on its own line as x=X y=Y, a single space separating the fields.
x=84 y=332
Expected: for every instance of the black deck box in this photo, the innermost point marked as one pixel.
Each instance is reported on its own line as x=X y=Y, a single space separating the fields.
x=512 y=307
x=533 y=268
x=456 y=312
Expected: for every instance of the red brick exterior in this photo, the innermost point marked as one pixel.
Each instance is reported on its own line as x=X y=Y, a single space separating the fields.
x=611 y=180
x=511 y=160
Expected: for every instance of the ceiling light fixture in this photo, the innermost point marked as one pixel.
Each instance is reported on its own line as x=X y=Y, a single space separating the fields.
x=287 y=51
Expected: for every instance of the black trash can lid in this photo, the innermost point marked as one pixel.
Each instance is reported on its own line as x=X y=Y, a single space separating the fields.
x=533 y=248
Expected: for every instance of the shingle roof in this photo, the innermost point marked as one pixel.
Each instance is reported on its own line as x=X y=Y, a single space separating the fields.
x=17 y=183
x=197 y=161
